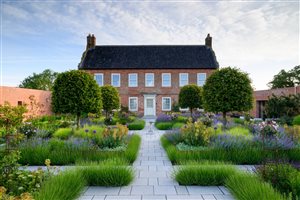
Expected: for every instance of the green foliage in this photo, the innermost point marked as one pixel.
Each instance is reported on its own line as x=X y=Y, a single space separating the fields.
x=296 y=120
x=89 y=132
x=204 y=174
x=138 y=124
x=63 y=152
x=283 y=106
x=284 y=78
x=110 y=99
x=107 y=175
x=41 y=81
x=178 y=125
x=246 y=155
x=66 y=185
x=164 y=125
x=227 y=90
x=190 y=96
x=239 y=130
x=181 y=119
x=248 y=187
x=63 y=133
x=18 y=181
x=175 y=107
x=282 y=177
x=196 y=134
x=113 y=137
x=239 y=121
x=11 y=117
x=76 y=92
x=28 y=130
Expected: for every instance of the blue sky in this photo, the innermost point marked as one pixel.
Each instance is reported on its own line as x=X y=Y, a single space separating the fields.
x=258 y=37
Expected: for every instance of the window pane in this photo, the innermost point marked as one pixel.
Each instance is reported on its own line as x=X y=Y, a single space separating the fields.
x=166 y=79
x=116 y=80
x=99 y=79
x=166 y=103
x=201 y=79
x=184 y=80
x=133 y=104
x=132 y=80
x=149 y=80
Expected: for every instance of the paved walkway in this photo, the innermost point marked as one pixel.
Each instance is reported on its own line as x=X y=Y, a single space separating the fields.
x=153 y=178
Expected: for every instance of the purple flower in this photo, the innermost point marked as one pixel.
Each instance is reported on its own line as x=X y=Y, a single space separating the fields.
x=94 y=131
x=164 y=118
x=86 y=130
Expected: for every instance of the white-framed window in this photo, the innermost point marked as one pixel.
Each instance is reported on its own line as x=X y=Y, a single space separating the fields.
x=183 y=79
x=166 y=79
x=99 y=78
x=166 y=103
x=201 y=78
x=132 y=80
x=115 y=80
x=133 y=104
x=149 y=80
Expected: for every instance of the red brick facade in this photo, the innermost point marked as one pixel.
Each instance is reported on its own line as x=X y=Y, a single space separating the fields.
x=38 y=101
x=261 y=97
x=158 y=91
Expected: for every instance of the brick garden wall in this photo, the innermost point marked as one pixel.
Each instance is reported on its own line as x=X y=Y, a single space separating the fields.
x=17 y=96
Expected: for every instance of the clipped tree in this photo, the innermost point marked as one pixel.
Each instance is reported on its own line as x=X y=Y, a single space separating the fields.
x=190 y=96
x=110 y=99
x=228 y=90
x=41 y=81
x=76 y=92
x=284 y=78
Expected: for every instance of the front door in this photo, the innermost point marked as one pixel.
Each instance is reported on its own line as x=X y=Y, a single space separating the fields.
x=149 y=105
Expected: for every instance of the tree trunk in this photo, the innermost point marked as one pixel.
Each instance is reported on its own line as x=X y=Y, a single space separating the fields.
x=224 y=119
x=78 y=120
x=191 y=110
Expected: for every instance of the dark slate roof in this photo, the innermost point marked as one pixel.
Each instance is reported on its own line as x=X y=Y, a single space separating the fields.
x=150 y=57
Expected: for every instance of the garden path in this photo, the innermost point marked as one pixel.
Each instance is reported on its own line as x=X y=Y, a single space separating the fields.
x=153 y=177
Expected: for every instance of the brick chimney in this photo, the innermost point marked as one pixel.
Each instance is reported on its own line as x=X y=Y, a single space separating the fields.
x=91 y=42
x=208 y=41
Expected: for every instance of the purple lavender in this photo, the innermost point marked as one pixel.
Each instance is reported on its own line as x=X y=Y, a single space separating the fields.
x=164 y=118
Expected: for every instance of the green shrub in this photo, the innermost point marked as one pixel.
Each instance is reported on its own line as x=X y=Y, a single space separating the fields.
x=89 y=131
x=107 y=175
x=182 y=119
x=249 y=187
x=204 y=174
x=66 y=185
x=178 y=125
x=196 y=134
x=282 y=177
x=296 y=120
x=239 y=130
x=63 y=133
x=238 y=121
x=138 y=124
x=133 y=148
x=163 y=125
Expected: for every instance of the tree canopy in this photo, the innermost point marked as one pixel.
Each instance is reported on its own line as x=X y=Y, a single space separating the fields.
x=110 y=99
x=76 y=92
x=227 y=90
x=41 y=81
x=284 y=78
x=190 y=96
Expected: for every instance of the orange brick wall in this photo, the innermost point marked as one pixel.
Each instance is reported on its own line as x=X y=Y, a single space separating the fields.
x=263 y=95
x=13 y=95
x=173 y=91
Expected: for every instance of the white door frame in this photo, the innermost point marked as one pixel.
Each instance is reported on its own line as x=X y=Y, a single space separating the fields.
x=153 y=97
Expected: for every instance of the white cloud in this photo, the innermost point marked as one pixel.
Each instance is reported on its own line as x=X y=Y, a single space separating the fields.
x=255 y=36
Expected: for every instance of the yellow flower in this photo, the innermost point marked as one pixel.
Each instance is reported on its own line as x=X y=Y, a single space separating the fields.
x=47 y=162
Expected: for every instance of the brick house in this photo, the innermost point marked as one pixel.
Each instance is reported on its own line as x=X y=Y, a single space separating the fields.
x=149 y=77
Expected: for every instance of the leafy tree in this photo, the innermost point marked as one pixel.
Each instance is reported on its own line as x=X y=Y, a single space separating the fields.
x=190 y=96
x=11 y=117
x=284 y=78
x=76 y=92
x=42 y=81
x=228 y=90
x=110 y=99
x=284 y=107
